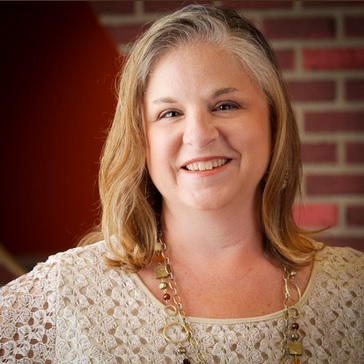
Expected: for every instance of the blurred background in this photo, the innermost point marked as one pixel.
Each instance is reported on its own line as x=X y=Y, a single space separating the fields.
x=59 y=65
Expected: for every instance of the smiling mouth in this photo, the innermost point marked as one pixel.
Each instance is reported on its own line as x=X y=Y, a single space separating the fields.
x=206 y=166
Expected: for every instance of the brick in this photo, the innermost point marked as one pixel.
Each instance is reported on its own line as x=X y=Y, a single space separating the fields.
x=355 y=215
x=313 y=91
x=354 y=26
x=354 y=90
x=322 y=184
x=299 y=28
x=257 y=4
x=334 y=121
x=333 y=59
x=316 y=215
x=167 y=6
x=125 y=33
x=318 y=153
x=113 y=7
x=350 y=241
x=355 y=152
x=331 y=3
x=285 y=58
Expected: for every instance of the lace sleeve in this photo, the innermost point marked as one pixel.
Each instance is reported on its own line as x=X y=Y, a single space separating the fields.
x=27 y=322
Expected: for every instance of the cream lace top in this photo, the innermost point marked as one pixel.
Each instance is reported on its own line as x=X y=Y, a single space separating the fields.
x=75 y=309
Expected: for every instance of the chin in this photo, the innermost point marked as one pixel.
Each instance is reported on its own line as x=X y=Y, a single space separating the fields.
x=207 y=204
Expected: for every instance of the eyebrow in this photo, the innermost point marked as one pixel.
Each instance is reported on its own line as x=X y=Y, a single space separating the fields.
x=223 y=91
x=214 y=94
x=165 y=100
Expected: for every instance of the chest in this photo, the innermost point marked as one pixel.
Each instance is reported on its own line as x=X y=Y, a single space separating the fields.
x=124 y=324
x=132 y=331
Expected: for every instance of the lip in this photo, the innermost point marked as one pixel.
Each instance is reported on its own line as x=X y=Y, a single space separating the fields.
x=205 y=164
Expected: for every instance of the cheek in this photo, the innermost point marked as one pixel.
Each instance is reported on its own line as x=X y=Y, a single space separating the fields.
x=262 y=134
x=161 y=151
x=254 y=143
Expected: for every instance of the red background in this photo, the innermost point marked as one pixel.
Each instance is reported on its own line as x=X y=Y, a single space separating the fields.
x=57 y=80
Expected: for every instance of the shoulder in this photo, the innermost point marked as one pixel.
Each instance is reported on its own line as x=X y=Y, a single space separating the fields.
x=84 y=255
x=335 y=306
x=338 y=285
x=341 y=258
x=78 y=265
x=45 y=275
x=341 y=267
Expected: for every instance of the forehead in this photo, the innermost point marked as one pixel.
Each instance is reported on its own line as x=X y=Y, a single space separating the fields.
x=186 y=51
x=197 y=65
x=197 y=60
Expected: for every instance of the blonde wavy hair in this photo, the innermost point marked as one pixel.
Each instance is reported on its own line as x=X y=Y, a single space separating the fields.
x=131 y=204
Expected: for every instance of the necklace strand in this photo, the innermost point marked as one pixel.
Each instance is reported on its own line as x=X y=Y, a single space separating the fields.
x=178 y=329
x=292 y=344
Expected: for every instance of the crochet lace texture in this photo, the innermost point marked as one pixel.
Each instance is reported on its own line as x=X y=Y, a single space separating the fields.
x=75 y=309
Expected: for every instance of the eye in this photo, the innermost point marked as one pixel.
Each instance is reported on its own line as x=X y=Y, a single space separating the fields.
x=226 y=106
x=169 y=114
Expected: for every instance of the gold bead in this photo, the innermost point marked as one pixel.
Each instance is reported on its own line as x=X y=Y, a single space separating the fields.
x=294 y=336
x=182 y=350
x=162 y=271
x=295 y=348
x=162 y=285
x=292 y=273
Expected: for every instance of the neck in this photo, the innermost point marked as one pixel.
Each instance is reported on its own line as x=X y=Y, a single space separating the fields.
x=214 y=236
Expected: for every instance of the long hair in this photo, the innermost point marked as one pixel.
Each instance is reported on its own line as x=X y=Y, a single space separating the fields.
x=130 y=202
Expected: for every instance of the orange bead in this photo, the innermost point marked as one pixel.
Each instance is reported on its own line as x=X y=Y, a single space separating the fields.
x=166 y=297
x=158 y=258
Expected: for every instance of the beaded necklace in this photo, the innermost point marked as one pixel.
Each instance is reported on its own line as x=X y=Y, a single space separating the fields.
x=178 y=329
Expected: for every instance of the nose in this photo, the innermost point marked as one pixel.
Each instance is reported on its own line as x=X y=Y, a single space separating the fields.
x=199 y=130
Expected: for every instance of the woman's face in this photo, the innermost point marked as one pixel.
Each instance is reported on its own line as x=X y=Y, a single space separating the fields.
x=207 y=129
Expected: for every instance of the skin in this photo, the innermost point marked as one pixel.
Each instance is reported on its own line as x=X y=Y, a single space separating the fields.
x=196 y=111
x=201 y=109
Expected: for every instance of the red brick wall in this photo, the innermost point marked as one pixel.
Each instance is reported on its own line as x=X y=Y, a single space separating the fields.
x=320 y=45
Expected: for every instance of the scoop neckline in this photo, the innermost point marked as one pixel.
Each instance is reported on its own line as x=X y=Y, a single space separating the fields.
x=274 y=315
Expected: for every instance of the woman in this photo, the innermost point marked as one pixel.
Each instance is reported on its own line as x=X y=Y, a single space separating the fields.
x=201 y=261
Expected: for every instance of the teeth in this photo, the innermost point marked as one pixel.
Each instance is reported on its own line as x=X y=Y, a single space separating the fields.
x=205 y=166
